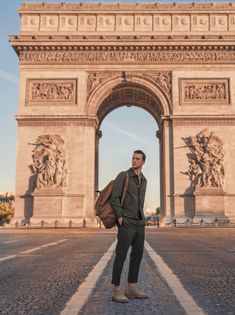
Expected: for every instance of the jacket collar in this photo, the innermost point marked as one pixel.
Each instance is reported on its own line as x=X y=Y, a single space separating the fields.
x=132 y=173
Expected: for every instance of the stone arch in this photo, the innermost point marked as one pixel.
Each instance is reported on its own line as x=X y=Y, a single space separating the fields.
x=113 y=91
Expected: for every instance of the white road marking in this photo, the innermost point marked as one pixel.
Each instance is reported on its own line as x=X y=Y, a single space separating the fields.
x=43 y=246
x=8 y=257
x=33 y=250
x=187 y=302
x=7 y=242
x=84 y=291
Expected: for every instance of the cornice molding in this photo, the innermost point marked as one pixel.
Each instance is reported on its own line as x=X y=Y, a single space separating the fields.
x=78 y=120
x=56 y=120
x=119 y=6
x=203 y=121
x=72 y=38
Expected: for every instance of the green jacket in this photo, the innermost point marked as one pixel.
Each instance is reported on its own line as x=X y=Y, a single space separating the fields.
x=134 y=199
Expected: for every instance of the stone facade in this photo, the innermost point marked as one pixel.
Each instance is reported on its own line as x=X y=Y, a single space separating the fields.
x=80 y=61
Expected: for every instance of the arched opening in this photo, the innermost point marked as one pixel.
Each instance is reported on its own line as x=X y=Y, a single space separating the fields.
x=124 y=130
x=128 y=95
x=121 y=100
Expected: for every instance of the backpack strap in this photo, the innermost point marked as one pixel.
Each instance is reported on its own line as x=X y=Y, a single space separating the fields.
x=125 y=188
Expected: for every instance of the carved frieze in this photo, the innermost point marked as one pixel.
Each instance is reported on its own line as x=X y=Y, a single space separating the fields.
x=95 y=55
x=49 y=162
x=51 y=91
x=206 y=159
x=198 y=91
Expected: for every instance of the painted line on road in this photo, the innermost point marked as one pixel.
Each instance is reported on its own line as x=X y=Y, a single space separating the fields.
x=187 y=302
x=7 y=242
x=84 y=291
x=33 y=250
x=8 y=257
x=43 y=246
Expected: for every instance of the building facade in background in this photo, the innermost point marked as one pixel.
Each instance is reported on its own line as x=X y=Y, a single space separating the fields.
x=80 y=61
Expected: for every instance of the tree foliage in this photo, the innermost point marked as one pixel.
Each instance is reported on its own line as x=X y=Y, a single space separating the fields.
x=6 y=212
x=158 y=210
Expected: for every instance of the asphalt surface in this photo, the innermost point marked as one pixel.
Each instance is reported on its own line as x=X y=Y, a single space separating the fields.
x=42 y=281
x=204 y=261
x=161 y=299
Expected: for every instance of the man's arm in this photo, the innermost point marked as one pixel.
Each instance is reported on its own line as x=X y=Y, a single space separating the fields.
x=117 y=195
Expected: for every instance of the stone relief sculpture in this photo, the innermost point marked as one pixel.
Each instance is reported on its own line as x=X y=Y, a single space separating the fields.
x=206 y=159
x=163 y=79
x=96 y=78
x=49 y=91
x=49 y=162
x=205 y=91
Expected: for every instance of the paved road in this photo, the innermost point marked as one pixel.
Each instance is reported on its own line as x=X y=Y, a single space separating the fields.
x=162 y=300
x=40 y=282
x=204 y=260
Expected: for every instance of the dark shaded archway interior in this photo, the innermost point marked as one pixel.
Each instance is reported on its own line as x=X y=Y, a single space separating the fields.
x=128 y=94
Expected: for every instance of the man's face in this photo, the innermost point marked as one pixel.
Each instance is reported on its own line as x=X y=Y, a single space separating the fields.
x=137 y=160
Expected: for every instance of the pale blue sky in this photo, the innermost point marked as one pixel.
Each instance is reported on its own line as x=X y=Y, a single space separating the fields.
x=124 y=129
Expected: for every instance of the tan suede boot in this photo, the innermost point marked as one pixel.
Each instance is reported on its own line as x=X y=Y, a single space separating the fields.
x=118 y=296
x=134 y=293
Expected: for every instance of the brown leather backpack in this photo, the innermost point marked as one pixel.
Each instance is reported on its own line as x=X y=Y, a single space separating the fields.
x=103 y=206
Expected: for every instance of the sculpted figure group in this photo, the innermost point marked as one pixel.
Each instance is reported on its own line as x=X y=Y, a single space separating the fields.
x=51 y=92
x=203 y=91
x=206 y=160
x=49 y=161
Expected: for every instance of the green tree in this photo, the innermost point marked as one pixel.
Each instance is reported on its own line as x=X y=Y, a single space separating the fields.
x=6 y=212
x=158 y=210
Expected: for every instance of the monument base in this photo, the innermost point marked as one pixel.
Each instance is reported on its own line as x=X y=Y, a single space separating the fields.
x=167 y=220
x=54 y=202
x=56 y=222
x=209 y=204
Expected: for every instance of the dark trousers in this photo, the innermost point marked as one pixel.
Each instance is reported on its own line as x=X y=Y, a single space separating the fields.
x=130 y=233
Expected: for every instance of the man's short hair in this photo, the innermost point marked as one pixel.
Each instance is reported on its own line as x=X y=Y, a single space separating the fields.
x=142 y=153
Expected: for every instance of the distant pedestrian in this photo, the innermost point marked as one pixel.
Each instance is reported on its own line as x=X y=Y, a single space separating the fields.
x=158 y=220
x=131 y=228
x=174 y=221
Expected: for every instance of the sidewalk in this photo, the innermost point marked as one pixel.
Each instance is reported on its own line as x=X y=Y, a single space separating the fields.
x=162 y=300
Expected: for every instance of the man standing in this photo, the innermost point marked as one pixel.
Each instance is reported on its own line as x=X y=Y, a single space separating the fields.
x=131 y=227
